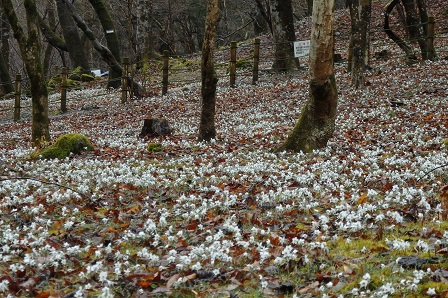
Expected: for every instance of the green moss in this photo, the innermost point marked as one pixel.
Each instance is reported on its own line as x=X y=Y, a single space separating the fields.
x=64 y=145
x=155 y=147
x=87 y=78
x=244 y=63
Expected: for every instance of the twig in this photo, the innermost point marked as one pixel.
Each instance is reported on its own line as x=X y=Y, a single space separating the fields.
x=432 y=170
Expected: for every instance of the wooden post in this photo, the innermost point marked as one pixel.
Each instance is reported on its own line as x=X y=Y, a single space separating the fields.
x=124 y=80
x=64 y=73
x=165 y=72
x=256 y=61
x=232 y=66
x=18 y=91
x=430 y=38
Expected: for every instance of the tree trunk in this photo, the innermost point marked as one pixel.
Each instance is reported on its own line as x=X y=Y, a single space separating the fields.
x=111 y=39
x=360 y=11
x=71 y=36
x=49 y=48
x=29 y=45
x=5 y=77
x=414 y=26
x=400 y=42
x=207 y=130
x=284 y=36
x=105 y=53
x=317 y=120
x=424 y=18
x=143 y=29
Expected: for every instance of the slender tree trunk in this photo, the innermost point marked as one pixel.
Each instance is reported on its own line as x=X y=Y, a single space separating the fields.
x=29 y=45
x=207 y=130
x=71 y=36
x=49 y=48
x=360 y=11
x=317 y=120
x=414 y=26
x=284 y=36
x=111 y=39
x=400 y=42
x=5 y=77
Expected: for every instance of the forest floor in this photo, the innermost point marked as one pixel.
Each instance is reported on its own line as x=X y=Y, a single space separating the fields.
x=364 y=217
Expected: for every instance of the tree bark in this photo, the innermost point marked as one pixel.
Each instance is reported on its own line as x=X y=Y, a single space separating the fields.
x=111 y=39
x=207 y=130
x=30 y=49
x=414 y=26
x=360 y=11
x=400 y=42
x=5 y=77
x=105 y=53
x=284 y=35
x=71 y=37
x=316 y=123
x=143 y=29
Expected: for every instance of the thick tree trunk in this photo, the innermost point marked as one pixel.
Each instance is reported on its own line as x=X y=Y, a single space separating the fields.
x=207 y=130
x=111 y=39
x=317 y=120
x=143 y=29
x=284 y=36
x=415 y=26
x=400 y=42
x=30 y=50
x=71 y=36
x=5 y=78
x=49 y=48
x=360 y=11
x=424 y=18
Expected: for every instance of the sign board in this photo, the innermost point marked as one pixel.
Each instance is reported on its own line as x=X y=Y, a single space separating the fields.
x=301 y=48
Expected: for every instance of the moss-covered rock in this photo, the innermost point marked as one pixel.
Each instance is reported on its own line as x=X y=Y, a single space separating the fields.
x=64 y=145
x=154 y=147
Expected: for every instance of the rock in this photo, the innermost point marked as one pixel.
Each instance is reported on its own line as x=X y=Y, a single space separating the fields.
x=154 y=127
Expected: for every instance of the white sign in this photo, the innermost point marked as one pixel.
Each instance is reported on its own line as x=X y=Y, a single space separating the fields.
x=301 y=48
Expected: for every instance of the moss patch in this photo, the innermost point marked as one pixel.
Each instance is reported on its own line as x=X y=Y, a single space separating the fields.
x=154 y=147
x=64 y=145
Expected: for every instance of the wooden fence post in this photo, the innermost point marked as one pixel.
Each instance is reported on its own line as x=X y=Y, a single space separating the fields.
x=124 y=80
x=232 y=66
x=64 y=73
x=256 y=61
x=430 y=38
x=18 y=91
x=165 y=72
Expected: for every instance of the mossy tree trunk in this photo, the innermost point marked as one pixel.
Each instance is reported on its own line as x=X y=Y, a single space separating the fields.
x=283 y=34
x=207 y=130
x=30 y=49
x=360 y=11
x=111 y=39
x=71 y=37
x=317 y=119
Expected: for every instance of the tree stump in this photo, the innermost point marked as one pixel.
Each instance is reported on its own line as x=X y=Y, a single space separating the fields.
x=154 y=127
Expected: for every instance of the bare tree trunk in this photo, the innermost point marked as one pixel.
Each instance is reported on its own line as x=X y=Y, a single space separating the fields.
x=30 y=49
x=5 y=77
x=50 y=11
x=71 y=37
x=111 y=39
x=284 y=36
x=207 y=130
x=143 y=30
x=414 y=26
x=360 y=11
x=400 y=42
x=105 y=53
x=317 y=120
